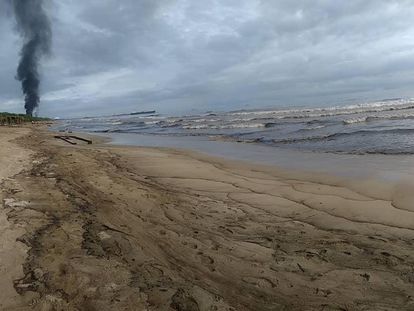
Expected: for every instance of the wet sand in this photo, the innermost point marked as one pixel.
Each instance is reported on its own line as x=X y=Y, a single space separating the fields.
x=352 y=166
x=98 y=227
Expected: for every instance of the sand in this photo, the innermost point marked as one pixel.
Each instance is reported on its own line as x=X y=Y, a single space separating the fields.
x=13 y=160
x=95 y=227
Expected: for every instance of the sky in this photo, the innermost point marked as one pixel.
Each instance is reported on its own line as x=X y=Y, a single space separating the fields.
x=190 y=56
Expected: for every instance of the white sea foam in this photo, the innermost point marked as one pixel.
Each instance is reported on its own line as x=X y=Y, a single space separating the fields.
x=315 y=127
x=355 y=120
x=242 y=125
x=223 y=126
x=151 y=122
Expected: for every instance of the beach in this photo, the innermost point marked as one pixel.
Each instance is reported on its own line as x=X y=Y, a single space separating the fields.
x=105 y=227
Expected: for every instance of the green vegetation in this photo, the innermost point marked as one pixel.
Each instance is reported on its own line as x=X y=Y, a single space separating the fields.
x=7 y=118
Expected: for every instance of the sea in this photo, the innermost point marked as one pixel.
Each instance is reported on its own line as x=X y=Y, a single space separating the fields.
x=383 y=127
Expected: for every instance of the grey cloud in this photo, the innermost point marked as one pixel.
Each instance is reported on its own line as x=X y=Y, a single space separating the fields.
x=182 y=55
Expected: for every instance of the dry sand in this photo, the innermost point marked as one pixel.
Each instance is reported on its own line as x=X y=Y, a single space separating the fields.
x=117 y=228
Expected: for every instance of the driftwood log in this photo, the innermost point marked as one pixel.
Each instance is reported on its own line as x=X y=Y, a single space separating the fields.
x=69 y=139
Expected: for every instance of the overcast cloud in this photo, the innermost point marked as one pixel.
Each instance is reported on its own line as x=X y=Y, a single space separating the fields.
x=183 y=56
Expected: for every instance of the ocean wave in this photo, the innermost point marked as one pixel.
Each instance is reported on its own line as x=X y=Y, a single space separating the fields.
x=375 y=107
x=341 y=134
x=270 y=124
x=355 y=120
x=224 y=126
x=196 y=126
x=317 y=127
x=134 y=123
x=152 y=122
x=378 y=117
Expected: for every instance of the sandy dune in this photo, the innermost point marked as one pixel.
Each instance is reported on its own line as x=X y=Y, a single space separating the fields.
x=112 y=228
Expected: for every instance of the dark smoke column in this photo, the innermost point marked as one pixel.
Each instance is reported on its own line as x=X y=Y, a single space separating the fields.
x=34 y=27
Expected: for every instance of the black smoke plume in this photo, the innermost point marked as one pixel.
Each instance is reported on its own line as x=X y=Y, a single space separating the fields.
x=34 y=27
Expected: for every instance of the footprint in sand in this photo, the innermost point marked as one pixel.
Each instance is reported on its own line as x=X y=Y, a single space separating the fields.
x=260 y=282
x=207 y=261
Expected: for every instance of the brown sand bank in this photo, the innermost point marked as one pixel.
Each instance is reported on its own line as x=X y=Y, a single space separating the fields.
x=114 y=228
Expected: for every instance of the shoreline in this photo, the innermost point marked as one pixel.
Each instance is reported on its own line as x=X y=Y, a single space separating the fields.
x=391 y=168
x=110 y=227
x=384 y=177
